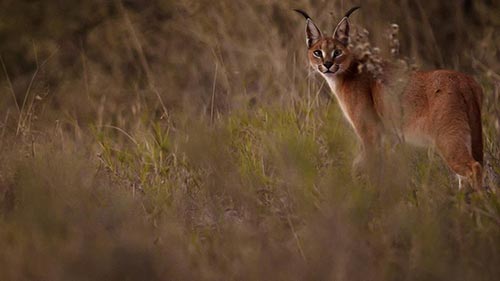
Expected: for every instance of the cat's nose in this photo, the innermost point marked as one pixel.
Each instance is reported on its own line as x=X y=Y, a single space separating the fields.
x=328 y=64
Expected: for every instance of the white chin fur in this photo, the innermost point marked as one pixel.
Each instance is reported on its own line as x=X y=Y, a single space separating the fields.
x=333 y=70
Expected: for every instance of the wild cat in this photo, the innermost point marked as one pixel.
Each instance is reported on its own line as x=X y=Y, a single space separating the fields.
x=438 y=108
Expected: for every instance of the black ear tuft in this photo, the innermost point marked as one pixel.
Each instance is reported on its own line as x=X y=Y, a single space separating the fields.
x=351 y=11
x=302 y=13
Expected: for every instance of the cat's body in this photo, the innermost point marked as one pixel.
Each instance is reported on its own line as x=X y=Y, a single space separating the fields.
x=440 y=108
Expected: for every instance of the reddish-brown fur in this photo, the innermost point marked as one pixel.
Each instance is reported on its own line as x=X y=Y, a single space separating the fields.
x=440 y=108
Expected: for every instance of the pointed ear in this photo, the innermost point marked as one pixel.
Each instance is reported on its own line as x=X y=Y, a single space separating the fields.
x=341 y=32
x=313 y=34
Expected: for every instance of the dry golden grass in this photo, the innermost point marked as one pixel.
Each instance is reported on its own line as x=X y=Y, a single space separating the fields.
x=188 y=140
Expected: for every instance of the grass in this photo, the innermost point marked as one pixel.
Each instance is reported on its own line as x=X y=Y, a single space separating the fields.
x=188 y=141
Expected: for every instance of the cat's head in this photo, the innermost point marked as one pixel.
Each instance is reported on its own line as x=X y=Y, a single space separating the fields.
x=329 y=55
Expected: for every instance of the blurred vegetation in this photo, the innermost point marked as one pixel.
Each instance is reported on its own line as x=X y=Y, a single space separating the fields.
x=188 y=140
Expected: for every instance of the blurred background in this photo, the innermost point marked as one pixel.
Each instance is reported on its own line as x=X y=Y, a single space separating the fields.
x=189 y=140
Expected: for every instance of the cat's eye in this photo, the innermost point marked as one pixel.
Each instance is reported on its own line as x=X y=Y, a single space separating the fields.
x=337 y=53
x=318 y=53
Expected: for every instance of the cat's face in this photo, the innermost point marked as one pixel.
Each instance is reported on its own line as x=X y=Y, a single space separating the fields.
x=329 y=55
